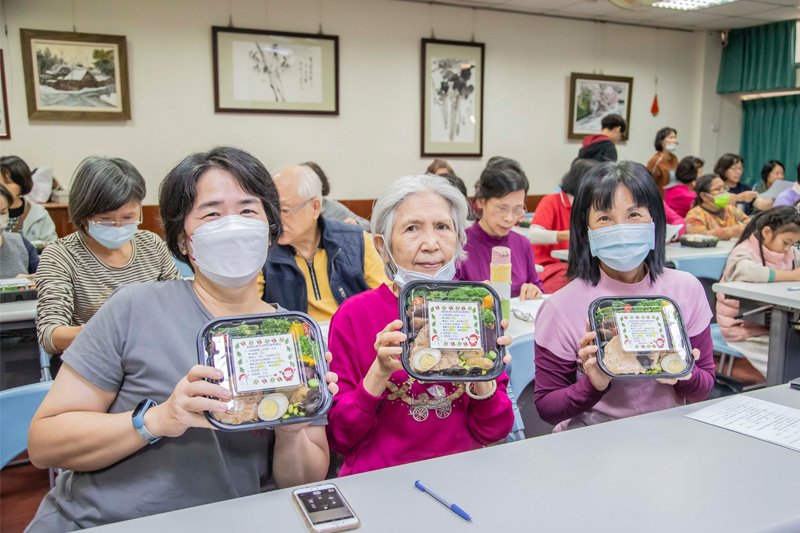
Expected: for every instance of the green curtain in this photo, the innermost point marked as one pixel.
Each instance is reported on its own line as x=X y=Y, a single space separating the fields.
x=770 y=130
x=760 y=58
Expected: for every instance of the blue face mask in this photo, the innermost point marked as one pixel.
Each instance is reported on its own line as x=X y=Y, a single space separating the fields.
x=403 y=276
x=623 y=247
x=111 y=236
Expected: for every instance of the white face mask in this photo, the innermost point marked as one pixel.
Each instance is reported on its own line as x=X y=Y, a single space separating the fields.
x=230 y=251
x=3 y=223
x=672 y=147
x=403 y=276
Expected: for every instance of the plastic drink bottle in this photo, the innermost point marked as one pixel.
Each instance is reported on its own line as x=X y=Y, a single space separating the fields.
x=500 y=277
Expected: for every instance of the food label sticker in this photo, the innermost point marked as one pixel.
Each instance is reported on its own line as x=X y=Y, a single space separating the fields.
x=642 y=332
x=265 y=362
x=455 y=325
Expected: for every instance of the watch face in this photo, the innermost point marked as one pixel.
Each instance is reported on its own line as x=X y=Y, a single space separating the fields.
x=140 y=408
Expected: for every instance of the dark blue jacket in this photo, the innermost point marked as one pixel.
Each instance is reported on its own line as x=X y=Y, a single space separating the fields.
x=285 y=284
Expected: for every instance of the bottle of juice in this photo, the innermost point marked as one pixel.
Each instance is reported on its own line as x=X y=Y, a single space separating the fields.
x=500 y=277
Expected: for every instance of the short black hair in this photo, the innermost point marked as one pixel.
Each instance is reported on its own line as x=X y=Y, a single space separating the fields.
x=798 y=172
x=501 y=176
x=572 y=179
x=456 y=182
x=703 y=184
x=178 y=191
x=17 y=171
x=597 y=191
x=612 y=121
x=101 y=185
x=5 y=193
x=326 y=186
x=769 y=166
x=686 y=172
x=725 y=162
x=662 y=134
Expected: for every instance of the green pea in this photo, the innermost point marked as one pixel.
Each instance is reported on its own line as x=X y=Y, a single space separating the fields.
x=285 y=416
x=491 y=355
x=313 y=383
x=483 y=372
x=302 y=413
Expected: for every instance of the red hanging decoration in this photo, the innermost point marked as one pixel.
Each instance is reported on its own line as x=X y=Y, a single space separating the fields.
x=654 y=107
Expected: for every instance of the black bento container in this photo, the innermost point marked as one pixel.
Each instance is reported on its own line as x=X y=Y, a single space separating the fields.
x=467 y=363
x=699 y=241
x=298 y=378
x=642 y=363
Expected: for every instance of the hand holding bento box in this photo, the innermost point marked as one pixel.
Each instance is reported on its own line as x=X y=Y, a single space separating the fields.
x=636 y=338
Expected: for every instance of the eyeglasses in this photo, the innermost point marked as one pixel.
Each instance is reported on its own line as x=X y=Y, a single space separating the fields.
x=504 y=210
x=522 y=315
x=113 y=223
x=286 y=212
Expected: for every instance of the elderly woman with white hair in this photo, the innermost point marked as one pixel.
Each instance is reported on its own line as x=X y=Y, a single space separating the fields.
x=418 y=224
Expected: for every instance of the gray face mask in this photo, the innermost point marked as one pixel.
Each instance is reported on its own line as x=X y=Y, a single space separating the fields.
x=403 y=276
x=3 y=223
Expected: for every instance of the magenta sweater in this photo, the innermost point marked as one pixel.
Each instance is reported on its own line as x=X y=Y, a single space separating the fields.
x=373 y=432
x=566 y=398
x=479 y=257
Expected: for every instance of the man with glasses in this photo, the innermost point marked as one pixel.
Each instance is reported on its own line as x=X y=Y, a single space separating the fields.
x=317 y=263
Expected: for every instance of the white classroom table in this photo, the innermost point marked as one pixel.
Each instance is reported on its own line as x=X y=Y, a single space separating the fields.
x=18 y=315
x=659 y=472
x=784 y=342
x=675 y=250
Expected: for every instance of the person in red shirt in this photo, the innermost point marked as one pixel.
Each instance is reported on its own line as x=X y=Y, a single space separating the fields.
x=549 y=229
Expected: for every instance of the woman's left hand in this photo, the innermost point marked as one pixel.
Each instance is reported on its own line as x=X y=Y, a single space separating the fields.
x=482 y=387
x=529 y=291
x=673 y=381
x=505 y=340
x=331 y=378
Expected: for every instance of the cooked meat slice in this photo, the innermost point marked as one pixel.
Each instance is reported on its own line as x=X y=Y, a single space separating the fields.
x=619 y=361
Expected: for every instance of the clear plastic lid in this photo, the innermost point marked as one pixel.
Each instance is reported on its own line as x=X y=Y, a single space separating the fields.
x=641 y=337
x=274 y=364
x=15 y=284
x=699 y=241
x=452 y=329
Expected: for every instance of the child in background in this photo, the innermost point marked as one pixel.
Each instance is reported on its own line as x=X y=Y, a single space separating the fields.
x=765 y=253
x=18 y=257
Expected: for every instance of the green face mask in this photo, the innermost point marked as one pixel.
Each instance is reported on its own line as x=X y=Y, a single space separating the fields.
x=721 y=200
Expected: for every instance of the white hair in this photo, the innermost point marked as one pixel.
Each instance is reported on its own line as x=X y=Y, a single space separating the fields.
x=383 y=212
x=307 y=182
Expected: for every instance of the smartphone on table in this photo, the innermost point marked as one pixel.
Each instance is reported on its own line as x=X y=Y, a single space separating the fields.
x=324 y=509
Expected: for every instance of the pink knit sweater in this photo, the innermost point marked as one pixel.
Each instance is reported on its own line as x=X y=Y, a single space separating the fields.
x=745 y=264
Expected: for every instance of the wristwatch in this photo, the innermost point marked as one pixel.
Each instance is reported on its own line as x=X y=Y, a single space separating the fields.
x=138 y=420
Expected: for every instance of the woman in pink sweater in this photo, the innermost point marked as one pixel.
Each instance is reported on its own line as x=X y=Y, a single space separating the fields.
x=765 y=253
x=418 y=225
x=616 y=248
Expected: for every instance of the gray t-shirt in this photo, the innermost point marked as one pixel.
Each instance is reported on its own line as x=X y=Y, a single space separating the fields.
x=139 y=345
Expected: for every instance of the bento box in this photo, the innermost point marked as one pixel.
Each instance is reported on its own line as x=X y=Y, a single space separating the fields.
x=274 y=364
x=452 y=329
x=699 y=241
x=641 y=337
x=16 y=289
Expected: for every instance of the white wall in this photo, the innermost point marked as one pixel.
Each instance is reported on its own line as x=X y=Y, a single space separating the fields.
x=376 y=136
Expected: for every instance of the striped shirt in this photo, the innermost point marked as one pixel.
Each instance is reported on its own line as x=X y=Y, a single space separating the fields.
x=73 y=283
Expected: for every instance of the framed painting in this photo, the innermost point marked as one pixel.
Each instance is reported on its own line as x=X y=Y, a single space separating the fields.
x=5 y=128
x=75 y=76
x=261 y=71
x=591 y=97
x=452 y=98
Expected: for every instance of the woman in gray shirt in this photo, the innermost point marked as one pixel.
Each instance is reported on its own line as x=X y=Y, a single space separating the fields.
x=220 y=210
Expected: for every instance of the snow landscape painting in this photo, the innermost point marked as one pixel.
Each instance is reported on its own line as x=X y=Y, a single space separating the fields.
x=77 y=78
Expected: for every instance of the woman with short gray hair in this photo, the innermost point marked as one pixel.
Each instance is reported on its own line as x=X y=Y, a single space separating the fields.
x=419 y=230
x=80 y=271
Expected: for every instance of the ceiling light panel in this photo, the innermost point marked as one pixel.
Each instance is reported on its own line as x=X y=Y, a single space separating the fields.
x=690 y=5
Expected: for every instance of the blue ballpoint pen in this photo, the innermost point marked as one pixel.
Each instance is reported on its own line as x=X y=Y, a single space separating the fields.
x=453 y=507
